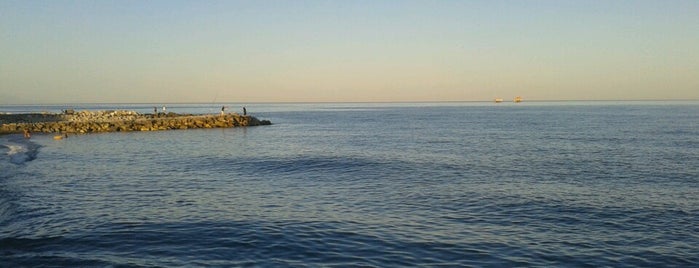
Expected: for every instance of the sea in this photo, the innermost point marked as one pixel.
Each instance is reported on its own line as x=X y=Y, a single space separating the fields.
x=451 y=184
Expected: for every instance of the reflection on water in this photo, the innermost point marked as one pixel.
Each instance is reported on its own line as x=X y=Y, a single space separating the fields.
x=368 y=185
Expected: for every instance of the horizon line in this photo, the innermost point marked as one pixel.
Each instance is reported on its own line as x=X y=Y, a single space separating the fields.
x=330 y=102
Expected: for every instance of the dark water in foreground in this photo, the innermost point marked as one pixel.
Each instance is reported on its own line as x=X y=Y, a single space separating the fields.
x=534 y=184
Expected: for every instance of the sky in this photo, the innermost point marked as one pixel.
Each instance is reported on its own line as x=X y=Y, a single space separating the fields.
x=346 y=51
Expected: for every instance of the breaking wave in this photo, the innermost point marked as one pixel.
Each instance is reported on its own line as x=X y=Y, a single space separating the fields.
x=17 y=150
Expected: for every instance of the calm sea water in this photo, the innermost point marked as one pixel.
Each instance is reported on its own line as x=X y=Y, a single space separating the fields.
x=448 y=184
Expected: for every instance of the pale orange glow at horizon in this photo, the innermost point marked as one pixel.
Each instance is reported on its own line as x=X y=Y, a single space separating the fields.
x=158 y=51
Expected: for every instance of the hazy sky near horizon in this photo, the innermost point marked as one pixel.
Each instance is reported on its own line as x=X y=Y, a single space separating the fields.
x=307 y=51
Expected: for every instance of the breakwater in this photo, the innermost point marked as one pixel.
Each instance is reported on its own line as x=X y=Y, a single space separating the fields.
x=116 y=121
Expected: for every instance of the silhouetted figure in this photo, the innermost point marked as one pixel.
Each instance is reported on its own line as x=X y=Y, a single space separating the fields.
x=245 y=111
x=223 y=109
x=155 y=110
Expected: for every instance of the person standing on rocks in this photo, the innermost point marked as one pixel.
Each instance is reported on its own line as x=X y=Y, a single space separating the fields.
x=223 y=109
x=245 y=111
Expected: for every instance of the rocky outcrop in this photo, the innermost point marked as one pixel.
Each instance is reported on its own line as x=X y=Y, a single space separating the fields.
x=86 y=116
x=116 y=121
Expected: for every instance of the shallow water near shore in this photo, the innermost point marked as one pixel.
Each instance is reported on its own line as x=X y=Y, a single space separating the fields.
x=407 y=184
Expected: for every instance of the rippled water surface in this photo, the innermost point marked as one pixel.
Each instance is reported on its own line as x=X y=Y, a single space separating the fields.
x=448 y=184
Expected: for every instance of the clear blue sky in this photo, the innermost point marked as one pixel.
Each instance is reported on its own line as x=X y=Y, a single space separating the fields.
x=269 y=51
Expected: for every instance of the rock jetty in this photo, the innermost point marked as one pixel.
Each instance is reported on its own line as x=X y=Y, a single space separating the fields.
x=116 y=121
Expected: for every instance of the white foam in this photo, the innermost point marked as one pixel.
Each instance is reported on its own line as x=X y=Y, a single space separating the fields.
x=16 y=149
x=19 y=151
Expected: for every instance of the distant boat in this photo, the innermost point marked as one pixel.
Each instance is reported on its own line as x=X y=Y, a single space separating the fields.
x=518 y=99
x=498 y=100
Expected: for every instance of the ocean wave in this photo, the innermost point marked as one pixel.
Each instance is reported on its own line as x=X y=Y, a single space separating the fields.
x=325 y=243
x=240 y=243
x=18 y=150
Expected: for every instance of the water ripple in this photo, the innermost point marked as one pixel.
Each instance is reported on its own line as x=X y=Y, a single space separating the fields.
x=452 y=186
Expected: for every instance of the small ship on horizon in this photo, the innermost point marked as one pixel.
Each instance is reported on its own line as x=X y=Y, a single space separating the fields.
x=517 y=99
